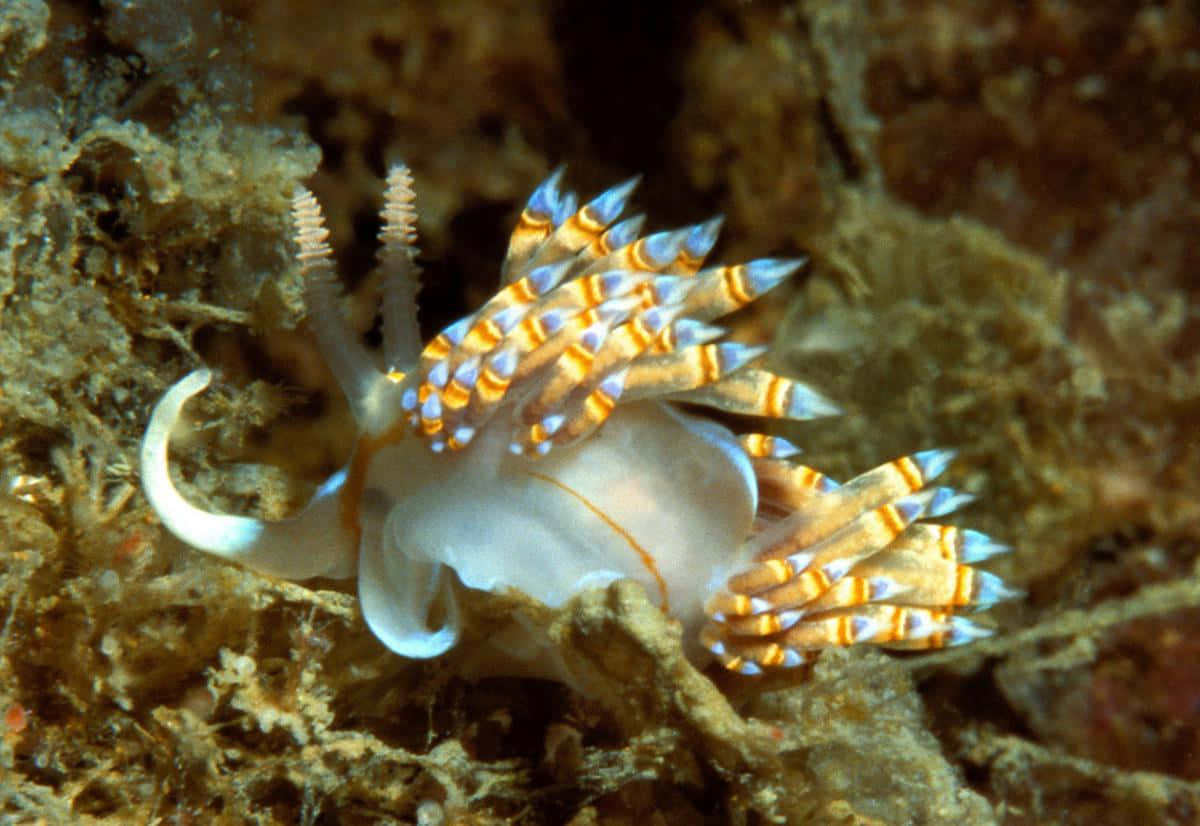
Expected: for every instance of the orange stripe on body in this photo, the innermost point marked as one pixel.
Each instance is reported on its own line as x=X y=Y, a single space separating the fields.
x=709 y=362
x=964 y=585
x=762 y=625
x=771 y=656
x=645 y=292
x=734 y=279
x=490 y=387
x=577 y=359
x=908 y=469
x=890 y=518
x=686 y=264
x=585 y=221
x=482 y=337
x=455 y=396
x=761 y=577
x=638 y=259
x=599 y=248
x=598 y=405
x=844 y=630
x=947 y=542
x=727 y=604
x=802 y=589
x=529 y=334
x=534 y=227
x=646 y=558
x=437 y=349
x=777 y=396
x=350 y=497
x=593 y=289
x=537 y=434
x=522 y=290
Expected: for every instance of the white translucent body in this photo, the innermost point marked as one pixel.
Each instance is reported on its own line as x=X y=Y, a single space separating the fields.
x=677 y=487
x=655 y=495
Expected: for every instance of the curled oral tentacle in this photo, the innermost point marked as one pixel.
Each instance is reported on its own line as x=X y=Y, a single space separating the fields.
x=265 y=546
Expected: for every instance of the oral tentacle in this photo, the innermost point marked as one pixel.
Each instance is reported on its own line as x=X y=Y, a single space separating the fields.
x=270 y=547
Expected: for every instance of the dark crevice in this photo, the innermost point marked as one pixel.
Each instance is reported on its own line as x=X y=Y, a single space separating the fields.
x=358 y=258
x=457 y=283
x=318 y=109
x=839 y=142
x=622 y=64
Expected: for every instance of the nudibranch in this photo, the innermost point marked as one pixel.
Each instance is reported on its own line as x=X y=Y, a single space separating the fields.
x=535 y=445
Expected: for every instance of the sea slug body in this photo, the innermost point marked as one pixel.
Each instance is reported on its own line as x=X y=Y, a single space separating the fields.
x=533 y=445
